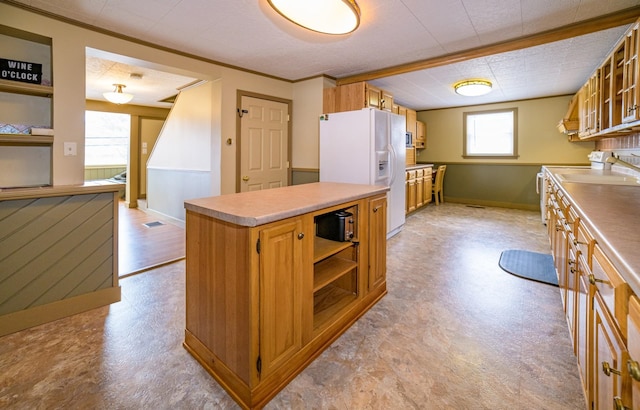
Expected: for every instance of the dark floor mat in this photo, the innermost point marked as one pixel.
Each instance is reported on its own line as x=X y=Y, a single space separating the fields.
x=529 y=265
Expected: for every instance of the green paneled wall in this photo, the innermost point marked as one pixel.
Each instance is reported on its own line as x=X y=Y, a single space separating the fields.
x=304 y=176
x=508 y=185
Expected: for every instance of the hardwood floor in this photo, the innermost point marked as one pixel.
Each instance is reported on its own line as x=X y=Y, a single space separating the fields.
x=142 y=247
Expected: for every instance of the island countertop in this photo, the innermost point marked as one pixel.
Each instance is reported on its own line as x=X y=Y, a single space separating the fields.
x=260 y=207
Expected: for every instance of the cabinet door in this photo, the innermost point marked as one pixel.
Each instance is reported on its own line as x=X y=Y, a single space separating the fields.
x=584 y=317
x=583 y=111
x=411 y=122
x=421 y=135
x=609 y=359
x=571 y=294
x=386 y=103
x=411 y=197
x=377 y=242
x=373 y=97
x=594 y=103
x=281 y=273
x=633 y=340
x=630 y=77
x=428 y=185
x=419 y=188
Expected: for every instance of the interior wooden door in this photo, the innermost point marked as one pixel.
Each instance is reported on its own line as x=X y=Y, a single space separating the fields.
x=264 y=144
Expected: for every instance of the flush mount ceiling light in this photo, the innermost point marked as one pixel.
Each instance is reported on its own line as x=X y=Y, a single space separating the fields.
x=323 y=16
x=117 y=96
x=472 y=88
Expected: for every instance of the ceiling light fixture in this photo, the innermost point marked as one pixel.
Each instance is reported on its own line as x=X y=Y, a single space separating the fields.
x=472 y=88
x=117 y=96
x=328 y=17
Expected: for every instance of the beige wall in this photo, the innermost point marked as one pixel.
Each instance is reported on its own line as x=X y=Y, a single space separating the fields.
x=69 y=43
x=539 y=141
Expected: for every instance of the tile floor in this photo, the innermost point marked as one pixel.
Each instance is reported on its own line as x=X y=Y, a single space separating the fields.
x=454 y=332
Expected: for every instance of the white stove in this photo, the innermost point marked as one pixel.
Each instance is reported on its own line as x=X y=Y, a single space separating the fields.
x=599 y=159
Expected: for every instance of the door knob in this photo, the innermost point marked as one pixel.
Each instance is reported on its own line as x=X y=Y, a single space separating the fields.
x=245 y=178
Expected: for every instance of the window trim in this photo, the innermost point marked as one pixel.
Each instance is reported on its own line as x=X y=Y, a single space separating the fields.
x=513 y=155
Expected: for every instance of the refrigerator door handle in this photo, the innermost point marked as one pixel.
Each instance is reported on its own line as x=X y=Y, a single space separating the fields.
x=394 y=158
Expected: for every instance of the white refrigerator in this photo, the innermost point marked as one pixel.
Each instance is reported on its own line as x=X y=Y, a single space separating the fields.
x=367 y=146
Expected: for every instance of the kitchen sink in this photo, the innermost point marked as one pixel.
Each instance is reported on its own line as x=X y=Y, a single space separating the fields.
x=609 y=179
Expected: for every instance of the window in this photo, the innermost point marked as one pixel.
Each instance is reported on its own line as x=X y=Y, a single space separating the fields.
x=106 y=138
x=490 y=134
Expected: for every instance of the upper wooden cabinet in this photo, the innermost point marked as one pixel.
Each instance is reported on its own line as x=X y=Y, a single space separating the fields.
x=607 y=105
x=420 y=139
x=630 y=76
x=418 y=129
x=589 y=101
x=355 y=96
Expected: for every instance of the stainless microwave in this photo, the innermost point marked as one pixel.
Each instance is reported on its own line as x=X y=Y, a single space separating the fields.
x=409 y=137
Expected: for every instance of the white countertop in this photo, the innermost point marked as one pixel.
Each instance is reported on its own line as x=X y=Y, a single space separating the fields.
x=269 y=205
x=612 y=214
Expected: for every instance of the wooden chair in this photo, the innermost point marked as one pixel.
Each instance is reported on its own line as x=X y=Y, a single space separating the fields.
x=438 y=189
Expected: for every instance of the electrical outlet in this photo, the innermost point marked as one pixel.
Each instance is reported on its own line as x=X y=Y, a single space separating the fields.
x=70 y=149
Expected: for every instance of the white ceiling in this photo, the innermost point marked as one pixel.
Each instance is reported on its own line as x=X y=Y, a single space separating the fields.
x=248 y=34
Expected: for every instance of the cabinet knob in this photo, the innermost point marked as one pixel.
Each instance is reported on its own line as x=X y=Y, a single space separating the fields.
x=300 y=235
x=593 y=280
x=634 y=369
x=618 y=405
x=607 y=370
x=376 y=208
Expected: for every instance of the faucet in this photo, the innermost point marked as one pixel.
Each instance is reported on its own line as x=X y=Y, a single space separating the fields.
x=614 y=159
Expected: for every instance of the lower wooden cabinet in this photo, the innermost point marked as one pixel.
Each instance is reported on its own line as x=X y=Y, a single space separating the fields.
x=609 y=358
x=418 y=188
x=633 y=345
x=262 y=301
x=603 y=314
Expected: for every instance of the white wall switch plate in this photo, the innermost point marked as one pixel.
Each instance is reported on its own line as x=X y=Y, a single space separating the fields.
x=70 y=149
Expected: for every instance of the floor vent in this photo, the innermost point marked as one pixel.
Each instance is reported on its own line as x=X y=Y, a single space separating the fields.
x=153 y=224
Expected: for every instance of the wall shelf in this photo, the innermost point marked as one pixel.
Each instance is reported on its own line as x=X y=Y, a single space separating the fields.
x=26 y=139
x=25 y=88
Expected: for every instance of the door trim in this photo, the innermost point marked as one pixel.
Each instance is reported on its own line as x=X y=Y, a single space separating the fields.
x=289 y=103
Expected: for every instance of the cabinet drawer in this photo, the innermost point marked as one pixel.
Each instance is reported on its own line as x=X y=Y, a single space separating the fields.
x=612 y=288
x=419 y=173
x=411 y=174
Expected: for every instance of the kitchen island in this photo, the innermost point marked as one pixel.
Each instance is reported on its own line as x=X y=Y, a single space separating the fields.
x=267 y=290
